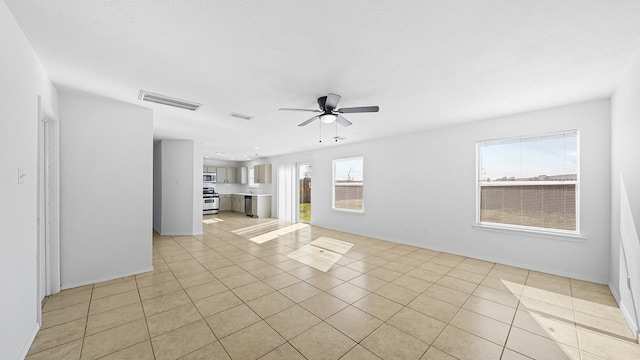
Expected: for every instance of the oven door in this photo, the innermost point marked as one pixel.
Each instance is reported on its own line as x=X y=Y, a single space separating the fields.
x=211 y=205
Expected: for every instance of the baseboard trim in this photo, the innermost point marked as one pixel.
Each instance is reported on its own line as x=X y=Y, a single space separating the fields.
x=101 y=279
x=597 y=280
x=615 y=293
x=625 y=313
x=630 y=320
x=29 y=342
x=521 y=265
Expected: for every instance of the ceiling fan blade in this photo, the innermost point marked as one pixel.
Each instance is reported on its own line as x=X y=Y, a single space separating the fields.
x=360 y=109
x=292 y=109
x=332 y=101
x=308 y=121
x=342 y=121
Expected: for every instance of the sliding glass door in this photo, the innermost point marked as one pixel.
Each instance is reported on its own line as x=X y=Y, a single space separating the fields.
x=304 y=193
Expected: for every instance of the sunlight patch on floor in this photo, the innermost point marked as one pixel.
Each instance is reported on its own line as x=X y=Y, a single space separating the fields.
x=334 y=245
x=212 y=221
x=260 y=239
x=321 y=253
x=255 y=227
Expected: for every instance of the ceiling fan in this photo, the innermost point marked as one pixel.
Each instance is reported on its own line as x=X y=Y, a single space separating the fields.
x=329 y=113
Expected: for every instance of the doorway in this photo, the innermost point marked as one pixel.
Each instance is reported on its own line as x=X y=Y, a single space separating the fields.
x=48 y=210
x=304 y=193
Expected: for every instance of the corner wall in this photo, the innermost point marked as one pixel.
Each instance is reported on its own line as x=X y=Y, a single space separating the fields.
x=179 y=211
x=625 y=195
x=157 y=186
x=419 y=189
x=106 y=180
x=23 y=79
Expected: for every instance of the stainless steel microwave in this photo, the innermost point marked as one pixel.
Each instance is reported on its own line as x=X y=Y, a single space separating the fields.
x=209 y=177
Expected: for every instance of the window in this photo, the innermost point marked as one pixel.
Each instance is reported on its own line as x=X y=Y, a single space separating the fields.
x=251 y=178
x=530 y=183
x=348 y=183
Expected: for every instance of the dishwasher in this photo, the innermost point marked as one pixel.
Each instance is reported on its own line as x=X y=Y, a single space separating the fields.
x=248 y=205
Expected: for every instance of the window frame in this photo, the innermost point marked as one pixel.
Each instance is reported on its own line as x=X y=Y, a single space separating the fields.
x=524 y=228
x=251 y=178
x=333 y=185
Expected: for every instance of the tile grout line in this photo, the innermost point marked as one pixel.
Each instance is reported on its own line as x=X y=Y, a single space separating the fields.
x=236 y=253
x=260 y=317
x=295 y=304
x=144 y=313
x=203 y=318
x=504 y=348
x=86 y=324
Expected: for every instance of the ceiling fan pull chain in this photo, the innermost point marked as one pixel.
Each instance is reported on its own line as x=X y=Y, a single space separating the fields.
x=320 y=122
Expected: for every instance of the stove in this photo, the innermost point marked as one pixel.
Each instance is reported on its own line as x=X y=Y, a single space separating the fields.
x=211 y=201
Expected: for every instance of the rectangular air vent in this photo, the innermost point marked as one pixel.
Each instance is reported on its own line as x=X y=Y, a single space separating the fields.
x=166 y=100
x=240 y=116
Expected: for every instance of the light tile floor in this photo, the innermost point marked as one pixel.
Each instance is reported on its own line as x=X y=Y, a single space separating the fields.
x=221 y=296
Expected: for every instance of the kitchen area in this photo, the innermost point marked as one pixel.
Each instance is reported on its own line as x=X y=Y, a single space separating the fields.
x=238 y=190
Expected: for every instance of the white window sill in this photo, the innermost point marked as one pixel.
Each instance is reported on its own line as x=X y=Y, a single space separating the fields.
x=348 y=210
x=534 y=233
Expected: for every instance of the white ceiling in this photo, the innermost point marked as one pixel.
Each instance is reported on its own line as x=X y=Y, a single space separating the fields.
x=426 y=63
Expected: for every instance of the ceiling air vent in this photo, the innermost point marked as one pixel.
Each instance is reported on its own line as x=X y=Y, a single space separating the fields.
x=166 y=100
x=240 y=116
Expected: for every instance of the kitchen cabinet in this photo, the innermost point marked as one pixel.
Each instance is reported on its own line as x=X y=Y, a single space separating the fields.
x=261 y=206
x=231 y=175
x=221 y=175
x=226 y=175
x=241 y=175
x=225 y=202
x=262 y=174
x=237 y=203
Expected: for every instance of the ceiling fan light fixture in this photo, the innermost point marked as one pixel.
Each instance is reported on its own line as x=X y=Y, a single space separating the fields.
x=328 y=118
x=329 y=112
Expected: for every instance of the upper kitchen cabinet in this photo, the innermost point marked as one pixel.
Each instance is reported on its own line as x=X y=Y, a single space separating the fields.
x=241 y=175
x=230 y=175
x=221 y=175
x=226 y=175
x=262 y=174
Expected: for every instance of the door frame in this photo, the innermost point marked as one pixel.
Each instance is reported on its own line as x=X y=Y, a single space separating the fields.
x=48 y=216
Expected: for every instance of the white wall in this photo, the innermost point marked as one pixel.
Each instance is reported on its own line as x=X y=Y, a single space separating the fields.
x=427 y=181
x=220 y=163
x=106 y=180
x=196 y=184
x=181 y=180
x=22 y=79
x=625 y=167
x=157 y=186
